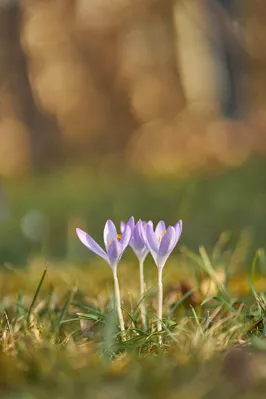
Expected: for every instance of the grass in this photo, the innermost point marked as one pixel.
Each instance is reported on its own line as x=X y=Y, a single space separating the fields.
x=60 y=337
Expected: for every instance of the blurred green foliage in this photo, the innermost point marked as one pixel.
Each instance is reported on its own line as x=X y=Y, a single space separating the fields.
x=232 y=200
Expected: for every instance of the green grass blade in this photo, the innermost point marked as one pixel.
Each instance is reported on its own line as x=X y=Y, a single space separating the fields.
x=58 y=321
x=35 y=296
x=197 y=321
x=91 y=316
x=180 y=301
x=254 y=266
x=132 y=317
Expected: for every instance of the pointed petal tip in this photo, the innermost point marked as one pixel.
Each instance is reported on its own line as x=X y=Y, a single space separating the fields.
x=131 y=222
x=122 y=226
x=151 y=239
x=160 y=223
x=170 y=228
x=160 y=229
x=178 y=228
x=109 y=227
x=81 y=233
x=109 y=233
x=109 y=222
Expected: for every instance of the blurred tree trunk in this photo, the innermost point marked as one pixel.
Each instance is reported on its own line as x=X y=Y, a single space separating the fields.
x=101 y=54
x=194 y=55
x=227 y=52
x=16 y=95
x=148 y=64
x=210 y=53
x=255 y=16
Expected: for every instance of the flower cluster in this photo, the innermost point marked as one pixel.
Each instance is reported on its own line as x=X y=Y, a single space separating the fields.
x=142 y=238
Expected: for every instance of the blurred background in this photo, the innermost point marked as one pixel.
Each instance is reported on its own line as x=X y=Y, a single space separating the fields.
x=151 y=108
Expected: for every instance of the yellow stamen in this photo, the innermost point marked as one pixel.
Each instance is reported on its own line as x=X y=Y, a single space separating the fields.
x=119 y=236
x=160 y=238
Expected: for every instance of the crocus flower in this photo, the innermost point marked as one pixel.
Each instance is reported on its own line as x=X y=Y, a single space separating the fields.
x=162 y=241
x=141 y=251
x=115 y=245
x=136 y=242
x=161 y=244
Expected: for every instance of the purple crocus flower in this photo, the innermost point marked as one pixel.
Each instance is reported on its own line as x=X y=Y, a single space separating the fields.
x=162 y=241
x=115 y=244
x=136 y=241
x=141 y=251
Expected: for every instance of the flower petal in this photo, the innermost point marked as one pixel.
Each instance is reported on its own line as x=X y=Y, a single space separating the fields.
x=152 y=242
x=137 y=234
x=160 y=229
x=142 y=229
x=178 y=229
x=150 y=223
x=131 y=222
x=114 y=253
x=143 y=233
x=109 y=233
x=152 y=239
x=126 y=236
x=122 y=226
x=137 y=243
x=91 y=244
x=167 y=245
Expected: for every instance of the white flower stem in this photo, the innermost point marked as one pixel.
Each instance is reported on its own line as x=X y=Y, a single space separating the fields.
x=160 y=303
x=118 y=301
x=142 y=296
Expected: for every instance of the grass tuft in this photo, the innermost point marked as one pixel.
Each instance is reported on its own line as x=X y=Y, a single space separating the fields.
x=61 y=339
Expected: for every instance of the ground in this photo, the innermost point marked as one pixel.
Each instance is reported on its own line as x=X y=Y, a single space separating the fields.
x=60 y=337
